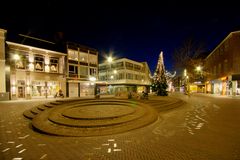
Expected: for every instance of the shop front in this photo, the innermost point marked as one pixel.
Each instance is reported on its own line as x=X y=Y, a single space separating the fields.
x=26 y=85
x=80 y=88
x=235 y=84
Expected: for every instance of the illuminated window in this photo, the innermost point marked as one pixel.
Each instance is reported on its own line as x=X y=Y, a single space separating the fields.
x=93 y=60
x=39 y=63
x=73 y=55
x=93 y=71
x=53 y=65
x=129 y=65
x=83 y=57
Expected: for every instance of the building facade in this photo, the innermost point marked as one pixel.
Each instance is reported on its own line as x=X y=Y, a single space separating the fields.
x=124 y=75
x=36 y=68
x=82 y=70
x=223 y=67
x=35 y=72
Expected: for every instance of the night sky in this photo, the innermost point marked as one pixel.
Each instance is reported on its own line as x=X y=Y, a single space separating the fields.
x=135 y=30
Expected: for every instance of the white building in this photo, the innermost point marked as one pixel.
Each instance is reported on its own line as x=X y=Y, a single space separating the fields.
x=124 y=75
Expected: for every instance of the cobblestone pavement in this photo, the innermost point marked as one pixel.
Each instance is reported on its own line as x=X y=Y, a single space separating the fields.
x=203 y=128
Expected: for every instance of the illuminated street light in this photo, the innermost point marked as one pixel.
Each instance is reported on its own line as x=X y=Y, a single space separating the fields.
x=185 y=72
x=109 y=59
x=115 y=71
x=198 y=68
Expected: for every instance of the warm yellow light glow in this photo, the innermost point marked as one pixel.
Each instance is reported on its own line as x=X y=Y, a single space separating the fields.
x=31 y=58
x=109 y=59
x=92 y=79
x=47 y=60
x=115 y=71
x=111 y=77
x=31 y=67
x=47 y=69
x=185 y=72
x=16 y=57
x=198 y=68
x=13 y=90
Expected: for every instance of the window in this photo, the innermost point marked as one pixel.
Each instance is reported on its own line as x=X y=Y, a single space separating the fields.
x=137 y=67
x=119 y=65
x=92 y=71
x=129 y=76
x=39 y=63
x=102 y=68
x=73 y=71
x=83 y=57
x=73 y=55
x=83 y=72
x=21 y=64
x=53 y=65
x=129 y=65
x=93 y=60
x=102 y=78
x=121 y=76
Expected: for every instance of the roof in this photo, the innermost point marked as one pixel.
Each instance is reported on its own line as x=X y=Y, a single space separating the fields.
x=29 y=40
x=227 y=37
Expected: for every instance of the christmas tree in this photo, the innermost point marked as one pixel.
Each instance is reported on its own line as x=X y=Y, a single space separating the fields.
x=159 y=79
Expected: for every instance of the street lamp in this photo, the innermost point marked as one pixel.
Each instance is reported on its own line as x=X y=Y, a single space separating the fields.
x=109 y=76
x=110 y=59
x=198 y=68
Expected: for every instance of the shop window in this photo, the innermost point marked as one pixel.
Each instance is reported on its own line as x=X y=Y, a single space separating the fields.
x=238 y=84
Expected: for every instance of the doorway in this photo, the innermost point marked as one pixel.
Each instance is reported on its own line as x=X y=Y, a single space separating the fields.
x=21 y=92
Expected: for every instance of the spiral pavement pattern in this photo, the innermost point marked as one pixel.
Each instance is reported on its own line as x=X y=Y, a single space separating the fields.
x=94 y=117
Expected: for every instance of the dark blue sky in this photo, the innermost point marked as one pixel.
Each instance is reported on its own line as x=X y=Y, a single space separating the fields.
x=135 y=30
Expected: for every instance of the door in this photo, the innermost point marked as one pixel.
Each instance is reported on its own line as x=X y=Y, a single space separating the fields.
x=21 y=92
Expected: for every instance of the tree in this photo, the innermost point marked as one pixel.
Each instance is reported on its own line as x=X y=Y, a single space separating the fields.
x=159 y=79
x=189 y=56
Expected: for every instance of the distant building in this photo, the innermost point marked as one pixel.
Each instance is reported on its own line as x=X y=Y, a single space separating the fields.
x=223 y=67
x=124 y=75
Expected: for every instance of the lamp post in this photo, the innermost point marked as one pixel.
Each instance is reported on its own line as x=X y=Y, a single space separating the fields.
x=109 y=76
x=186 y=82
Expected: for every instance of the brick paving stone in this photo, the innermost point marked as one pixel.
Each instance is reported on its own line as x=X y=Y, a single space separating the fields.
x=160 y=140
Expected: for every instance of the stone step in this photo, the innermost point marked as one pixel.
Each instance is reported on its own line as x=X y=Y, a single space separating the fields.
x=28 y=114
x=35 y=110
